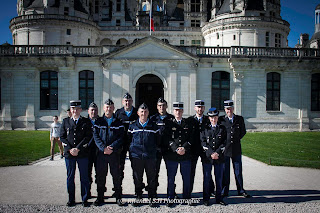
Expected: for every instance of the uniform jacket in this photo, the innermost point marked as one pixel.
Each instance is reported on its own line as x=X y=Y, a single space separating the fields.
x=74 y=135
x=92 y=144
x=214 y=140
x=145 y=140
x=105 y=135
x=164 y=128
x=198 y=128
x=126 y=121
x=180 y=136
x=235 y=133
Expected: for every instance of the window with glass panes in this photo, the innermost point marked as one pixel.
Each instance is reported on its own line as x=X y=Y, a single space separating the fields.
x=273 y=91
x=195 y=5
x=220 y=90
x=48 y=90
x=315 y=92
x=86 y=88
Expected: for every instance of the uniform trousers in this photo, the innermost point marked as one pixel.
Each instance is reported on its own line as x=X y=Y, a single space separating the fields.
x=158 y=165
x=138 y=167
x=92 y=161
x=84 y=180
x=113 y=161
x=194 y=161
x=237 y=169
x=185 y=168
x=207 y=178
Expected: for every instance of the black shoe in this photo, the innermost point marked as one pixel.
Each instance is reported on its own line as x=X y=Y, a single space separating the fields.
x=85 y=204
x=152 y=204
x=245 y=195
x=61 y=156
x=98 y=202
x=51 y=159
x=222 y=203
x=190 y=202
x=176 y=196
x=71 y=203
x=170 y=205
x=119 y=202
x=206 y=203
x=138 y=201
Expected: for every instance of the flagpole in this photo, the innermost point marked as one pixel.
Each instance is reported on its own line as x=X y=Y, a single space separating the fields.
x=150 y=16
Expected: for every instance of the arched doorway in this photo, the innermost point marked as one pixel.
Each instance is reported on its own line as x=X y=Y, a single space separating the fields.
x=148 y=89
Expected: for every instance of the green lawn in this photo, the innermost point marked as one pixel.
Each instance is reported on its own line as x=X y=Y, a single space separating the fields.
x=300 y=149
x=23 y=147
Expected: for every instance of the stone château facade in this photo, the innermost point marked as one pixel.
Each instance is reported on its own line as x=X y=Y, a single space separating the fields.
x=201 y=49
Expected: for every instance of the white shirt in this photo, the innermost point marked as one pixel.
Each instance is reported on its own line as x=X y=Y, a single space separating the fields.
x=55 y=130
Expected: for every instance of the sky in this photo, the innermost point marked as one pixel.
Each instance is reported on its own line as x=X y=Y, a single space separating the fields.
x=299 y=13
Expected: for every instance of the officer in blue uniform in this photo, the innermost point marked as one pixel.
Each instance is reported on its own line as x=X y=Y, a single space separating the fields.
x=127 y=115
x=213 y=141
x=75 y=135
x=199 y=122
x=236 y=129
x=161 y=119
x=178 y=152
x=92 y=115
x=108 y=135
x=143 y=150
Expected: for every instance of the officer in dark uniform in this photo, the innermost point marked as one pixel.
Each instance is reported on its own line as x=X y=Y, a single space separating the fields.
x=213 y=141
x=92 y=115
x=161 y=119
x=108 y=135
x=75 y=135
x=143 y=150
x=127 y=114
x=199 y=122
x=178 y=152
x=235 y=131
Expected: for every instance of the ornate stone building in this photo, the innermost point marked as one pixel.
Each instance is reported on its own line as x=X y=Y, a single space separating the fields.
x=201 y=49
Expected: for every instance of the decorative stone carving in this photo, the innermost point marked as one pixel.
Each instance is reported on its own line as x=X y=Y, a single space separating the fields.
x=193 y=65
x=238 y=75
x=106 y=64
x=174 y=65
x=125 y=64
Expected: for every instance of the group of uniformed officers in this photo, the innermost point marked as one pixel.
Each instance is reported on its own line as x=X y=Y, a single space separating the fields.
x=104 y=142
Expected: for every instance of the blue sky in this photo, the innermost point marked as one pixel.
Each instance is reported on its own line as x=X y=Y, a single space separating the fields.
x=299 y=13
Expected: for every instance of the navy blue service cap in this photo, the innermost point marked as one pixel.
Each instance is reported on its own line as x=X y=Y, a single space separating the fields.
x=161 y=100
x=228 y=103
x=108 y=102
x=127 y=96
x=213 y=112
x=177 y=105
x=143 y=106
x=76 y=103
x=199 y=103
x=93 y=105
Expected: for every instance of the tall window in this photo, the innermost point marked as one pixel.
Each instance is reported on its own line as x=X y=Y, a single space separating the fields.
x=118 y=9
x=220 y=90
x=49 y=90
x=267 y=39
x=96 y=6
x=195 y=23
x=277 y=40
x=195 y=42
x=315 y=92
x=86 y=88
x=273 y=91
x=195 y=5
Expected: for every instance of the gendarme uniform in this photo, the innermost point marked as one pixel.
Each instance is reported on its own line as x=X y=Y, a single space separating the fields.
x=108 y=132
x=143 y=149
x=162 y=123
x=236 y=129
x=126 y=118
x=76 y=134
x=181 y=136
x=213 y=140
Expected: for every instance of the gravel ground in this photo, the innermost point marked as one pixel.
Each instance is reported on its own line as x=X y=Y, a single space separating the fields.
x=249 y=207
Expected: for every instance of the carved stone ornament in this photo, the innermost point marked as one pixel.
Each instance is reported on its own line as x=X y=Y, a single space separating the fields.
x=106 y=64
x=238 y=75
x=193 y=65
x=125 y=64
x=173 y=65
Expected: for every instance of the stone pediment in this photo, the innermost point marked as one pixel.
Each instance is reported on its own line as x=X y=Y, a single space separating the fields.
x=150 y=48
